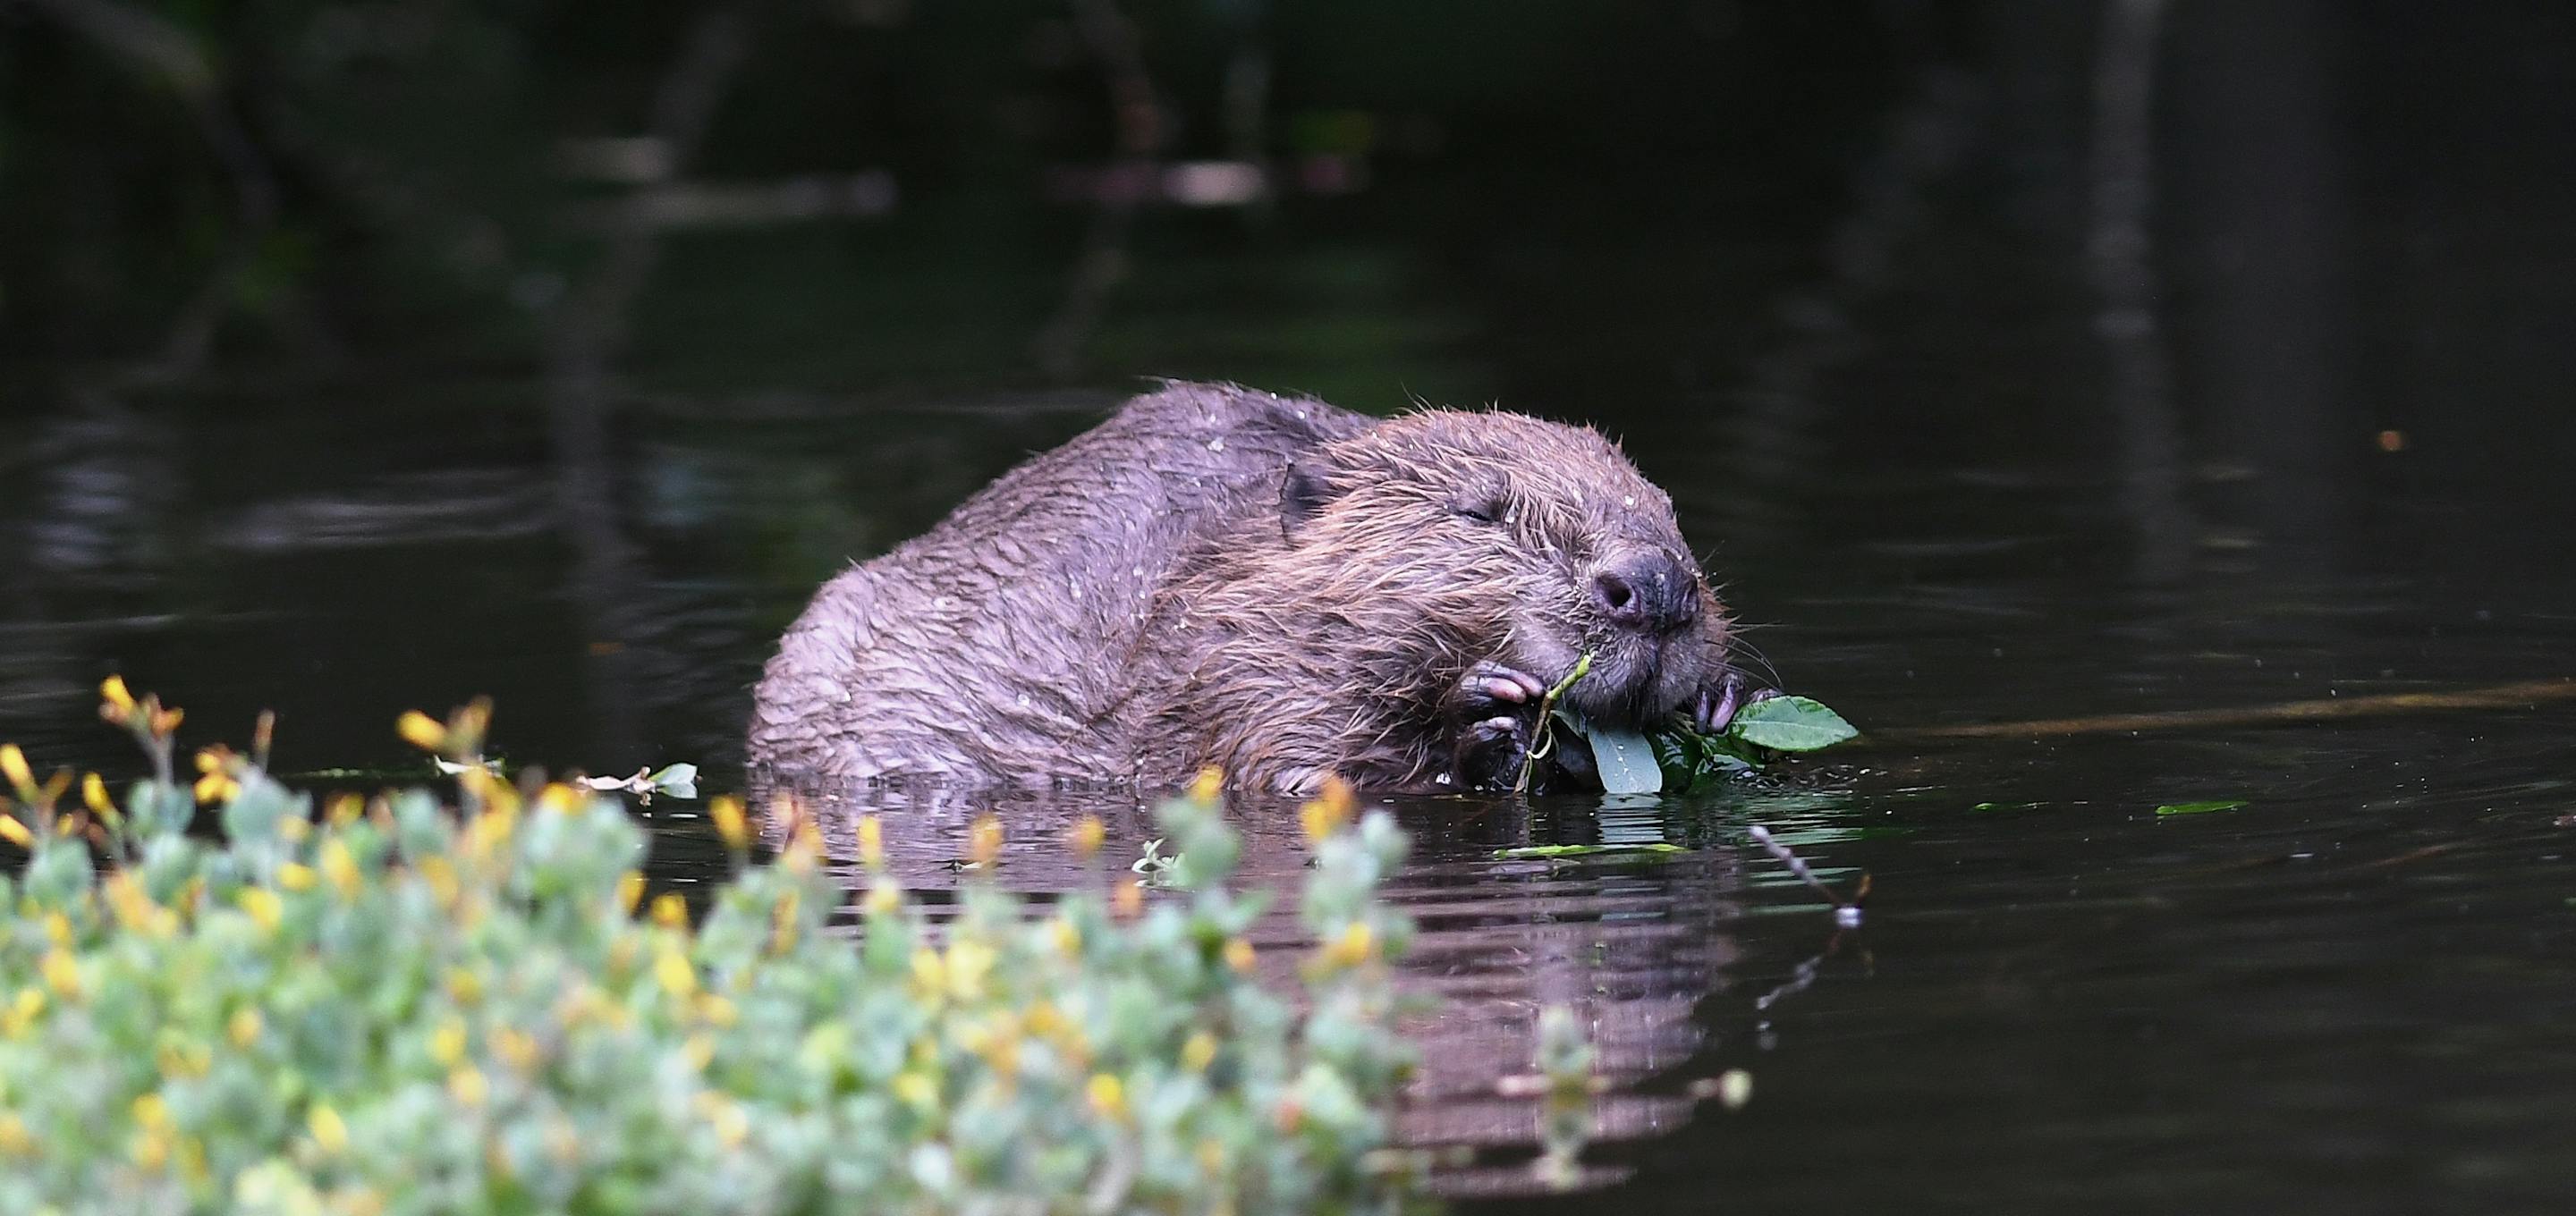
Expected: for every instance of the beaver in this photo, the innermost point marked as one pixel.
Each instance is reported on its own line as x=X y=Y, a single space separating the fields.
x=1270 y=585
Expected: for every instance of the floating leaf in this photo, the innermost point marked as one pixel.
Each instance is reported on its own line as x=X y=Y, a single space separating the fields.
x=1790 y=724
x=1536 y=851
x=2201 y=808
x=678 y=780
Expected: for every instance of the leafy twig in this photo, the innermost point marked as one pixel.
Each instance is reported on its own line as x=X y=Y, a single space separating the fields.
x=1540 y=746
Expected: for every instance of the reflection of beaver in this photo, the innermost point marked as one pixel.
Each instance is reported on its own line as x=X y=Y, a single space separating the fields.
x=1270 y=585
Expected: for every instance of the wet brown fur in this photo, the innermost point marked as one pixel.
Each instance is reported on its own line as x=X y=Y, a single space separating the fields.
x=1220 y=576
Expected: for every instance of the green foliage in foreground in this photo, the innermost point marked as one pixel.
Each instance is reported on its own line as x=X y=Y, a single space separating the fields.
x=405 y=1007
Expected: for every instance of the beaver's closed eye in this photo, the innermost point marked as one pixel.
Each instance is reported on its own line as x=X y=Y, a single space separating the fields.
x=1484 y=510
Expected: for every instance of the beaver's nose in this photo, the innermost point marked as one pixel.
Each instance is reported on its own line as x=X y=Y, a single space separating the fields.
x=1646 y=592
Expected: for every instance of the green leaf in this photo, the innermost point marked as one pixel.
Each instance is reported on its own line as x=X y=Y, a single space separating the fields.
x=2201 y=808
x=1625 y=759
x=1789 y=724
x=679 y=781
x=1535 y=851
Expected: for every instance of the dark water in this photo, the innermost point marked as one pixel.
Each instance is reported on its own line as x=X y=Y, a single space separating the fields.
x=1967 y=446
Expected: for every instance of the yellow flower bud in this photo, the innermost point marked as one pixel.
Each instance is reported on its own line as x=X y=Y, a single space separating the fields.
x=295 y=876
x=13 y=765
x=561 y=799
x=1239 y=955
x=468 y=1087
x=517 y=1048
x=1208 y=786
x=1328 y=812
x=673 y=972
x=732 y=1126
x=243 y=1027
x=670 y=911
x=179 y=1058
x=871 y=842
x=29 y=1002
x=804 y=849
x=630 y=889
x=440 y=876
x=264 y=907
x=447 y=1043
x=94 y=796
x=15 y=832
x=731 y=824
x=340 y=867
x=15 y=1141
x=119 y=704
x=216 y=787
x=1107 y=1096
x=968 y=963
x=62 y=973
x=1086 y=837
x=1352 y=948
x=329 y=1133
x=421 y=731
x=915 y=1090
x=464 y=987
x=884 y=898
x=929 y=970
x=1198 y=1052
x=984 y=840
x=488 y=831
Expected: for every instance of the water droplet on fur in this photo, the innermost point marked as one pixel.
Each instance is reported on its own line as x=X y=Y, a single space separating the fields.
x=1138 y=572
x=1216 y=445
x=939 y=602
x=1077 y=588
x=1024 y=700
x=1629 y=501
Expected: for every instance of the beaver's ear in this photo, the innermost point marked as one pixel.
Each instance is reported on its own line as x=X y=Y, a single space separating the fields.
x=1302 y=493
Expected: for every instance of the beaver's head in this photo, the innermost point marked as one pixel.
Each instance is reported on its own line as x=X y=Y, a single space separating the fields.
x=1528 y=543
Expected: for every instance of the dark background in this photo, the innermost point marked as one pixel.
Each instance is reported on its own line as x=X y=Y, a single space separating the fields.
x=415 y=350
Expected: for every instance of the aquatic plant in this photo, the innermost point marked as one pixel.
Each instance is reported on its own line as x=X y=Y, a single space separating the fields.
x=395 y=1005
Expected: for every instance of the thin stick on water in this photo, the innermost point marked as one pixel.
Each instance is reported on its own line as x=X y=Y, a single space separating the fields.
x=1846 y=913
x=1546 y=741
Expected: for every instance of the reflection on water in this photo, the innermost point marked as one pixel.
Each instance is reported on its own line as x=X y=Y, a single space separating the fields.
x=1642 y=946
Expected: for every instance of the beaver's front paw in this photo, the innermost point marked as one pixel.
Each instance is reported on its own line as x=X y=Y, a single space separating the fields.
x=1494 y=712
x=1716 y=705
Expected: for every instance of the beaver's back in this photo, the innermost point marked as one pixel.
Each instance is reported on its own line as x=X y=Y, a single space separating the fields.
x=987 y=648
